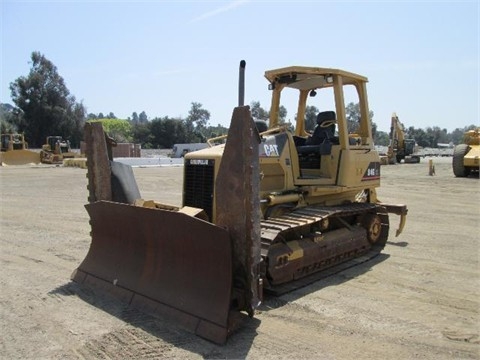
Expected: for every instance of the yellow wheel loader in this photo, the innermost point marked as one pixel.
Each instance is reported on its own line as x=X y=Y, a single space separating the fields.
x=55 y=150
x=269 y=210
x=14 y=151
x=466 y=156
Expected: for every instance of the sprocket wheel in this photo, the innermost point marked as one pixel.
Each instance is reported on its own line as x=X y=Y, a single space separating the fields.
x=373 y=224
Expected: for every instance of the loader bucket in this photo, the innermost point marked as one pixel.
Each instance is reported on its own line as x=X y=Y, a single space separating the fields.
x=165 y=262
x=19 y=157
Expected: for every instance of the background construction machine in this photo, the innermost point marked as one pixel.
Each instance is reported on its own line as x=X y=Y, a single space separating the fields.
x=55 y=150
x=466 y=156
x=400 y=148
x=263 y=211
x=14 y=151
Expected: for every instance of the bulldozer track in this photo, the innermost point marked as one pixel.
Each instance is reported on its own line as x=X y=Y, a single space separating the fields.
x=272 y=229
x=279 y=290
x=277 y=229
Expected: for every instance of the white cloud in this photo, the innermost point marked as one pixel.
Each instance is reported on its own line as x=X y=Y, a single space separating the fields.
x=232 y=5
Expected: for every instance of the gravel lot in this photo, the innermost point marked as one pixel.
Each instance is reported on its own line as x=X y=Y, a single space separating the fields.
x=418 y=299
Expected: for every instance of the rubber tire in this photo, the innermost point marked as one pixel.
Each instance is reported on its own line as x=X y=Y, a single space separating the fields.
x=459 y=169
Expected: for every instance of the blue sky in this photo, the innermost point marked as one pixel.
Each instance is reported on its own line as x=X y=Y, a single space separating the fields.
x=421 y=57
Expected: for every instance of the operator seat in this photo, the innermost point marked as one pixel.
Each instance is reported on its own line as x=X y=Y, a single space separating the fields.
x=320 y=134
x=261 y=125
x=320 y=143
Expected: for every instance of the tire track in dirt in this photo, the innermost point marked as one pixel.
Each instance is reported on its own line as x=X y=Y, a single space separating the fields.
x=127 y=343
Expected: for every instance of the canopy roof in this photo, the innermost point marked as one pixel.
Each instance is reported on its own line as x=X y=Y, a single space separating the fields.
x=305 y=78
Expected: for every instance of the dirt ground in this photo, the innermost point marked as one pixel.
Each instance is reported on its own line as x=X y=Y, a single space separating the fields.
x=418 y=299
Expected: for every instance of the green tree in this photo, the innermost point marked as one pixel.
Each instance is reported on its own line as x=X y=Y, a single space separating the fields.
x=420 y=136
x=143 y=118
x=196 y=123
x=7 y=125
x=282 y=114
x=457 y=136
x=258 y=113
x=352 y=112
x=134 y=117
x=45 y=105
x=141 y=134
x=381 y=138
x=434 y=135
x=157 y=131
x=167 y=131
x=120 y=130
x=218 y=130
x=310 y=117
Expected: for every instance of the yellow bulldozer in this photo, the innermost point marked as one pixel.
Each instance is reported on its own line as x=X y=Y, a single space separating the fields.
x=14 y=151
x=269 y=210
x=55 y=150
x=466 y=156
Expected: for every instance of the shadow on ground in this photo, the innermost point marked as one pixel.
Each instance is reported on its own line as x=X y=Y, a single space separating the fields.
x=335 y=278
x=238 y=344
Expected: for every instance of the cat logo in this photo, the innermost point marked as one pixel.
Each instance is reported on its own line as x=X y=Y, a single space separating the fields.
x=271 y=150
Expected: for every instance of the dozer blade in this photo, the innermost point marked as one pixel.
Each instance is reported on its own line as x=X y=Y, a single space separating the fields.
x=165 y=262
x=19 y=157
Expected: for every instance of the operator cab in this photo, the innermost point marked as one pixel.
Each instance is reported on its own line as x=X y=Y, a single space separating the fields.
x=323 y=139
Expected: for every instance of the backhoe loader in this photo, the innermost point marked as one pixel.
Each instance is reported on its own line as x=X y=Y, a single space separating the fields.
x=263 y=211
x=14 y=151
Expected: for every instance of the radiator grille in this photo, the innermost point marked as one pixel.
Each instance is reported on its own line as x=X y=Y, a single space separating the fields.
x=198 y=185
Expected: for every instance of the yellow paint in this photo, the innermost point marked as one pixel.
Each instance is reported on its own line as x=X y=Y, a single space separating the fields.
x=297 y=251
